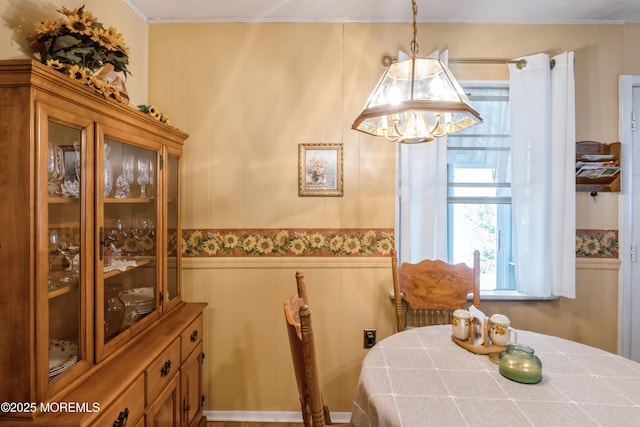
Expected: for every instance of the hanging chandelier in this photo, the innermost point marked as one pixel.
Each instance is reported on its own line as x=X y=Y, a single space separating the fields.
x=416 y=100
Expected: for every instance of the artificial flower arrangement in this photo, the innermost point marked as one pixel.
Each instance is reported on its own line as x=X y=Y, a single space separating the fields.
x=153 y=111
x=79 y=46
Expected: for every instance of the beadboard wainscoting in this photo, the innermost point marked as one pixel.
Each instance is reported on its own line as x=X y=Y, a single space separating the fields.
x=247 y=364
x=248 y=369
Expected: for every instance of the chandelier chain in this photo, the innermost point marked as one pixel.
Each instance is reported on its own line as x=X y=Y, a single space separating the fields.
x=414 y=43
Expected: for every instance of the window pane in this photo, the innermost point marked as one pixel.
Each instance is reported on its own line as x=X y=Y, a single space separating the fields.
x=487 y=228
x=479 y=189
x=475 y=228
x=490 y=101
x=479 y=165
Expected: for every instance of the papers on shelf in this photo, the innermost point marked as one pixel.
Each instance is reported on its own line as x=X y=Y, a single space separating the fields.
x=595 y=170
x=597 y=157
x=120 y=264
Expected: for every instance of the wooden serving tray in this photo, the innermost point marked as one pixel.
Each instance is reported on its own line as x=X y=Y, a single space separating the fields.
x=473 y=345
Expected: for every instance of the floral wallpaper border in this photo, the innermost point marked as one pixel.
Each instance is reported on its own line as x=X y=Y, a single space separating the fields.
x=287 y=242
x=596 y=243
x=230 y=242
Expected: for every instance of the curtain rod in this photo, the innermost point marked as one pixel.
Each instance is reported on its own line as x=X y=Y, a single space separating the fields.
x=520 y=63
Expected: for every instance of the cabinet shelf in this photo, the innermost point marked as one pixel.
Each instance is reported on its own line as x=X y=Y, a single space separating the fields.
x=113 y=200
x=595 y=154
x=139 y=263
x=62 y=289
x=63 y=200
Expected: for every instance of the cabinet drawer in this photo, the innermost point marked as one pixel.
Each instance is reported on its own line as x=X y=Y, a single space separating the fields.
x=129 y=402
x=161 y=370
x=191 y=337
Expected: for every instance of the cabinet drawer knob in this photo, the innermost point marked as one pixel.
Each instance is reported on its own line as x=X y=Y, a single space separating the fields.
x=121 y=421
x=194 y=336
x=164 y=371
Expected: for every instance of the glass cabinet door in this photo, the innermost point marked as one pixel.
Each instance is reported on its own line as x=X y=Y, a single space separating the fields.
x=65 y=241
x=128 y=254
x=174 y=231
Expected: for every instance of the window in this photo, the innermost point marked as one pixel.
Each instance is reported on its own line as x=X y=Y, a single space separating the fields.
x=479 y=188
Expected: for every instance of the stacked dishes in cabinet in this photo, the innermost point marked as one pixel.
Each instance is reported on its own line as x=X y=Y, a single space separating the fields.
x=138 y=302
x=62 y=355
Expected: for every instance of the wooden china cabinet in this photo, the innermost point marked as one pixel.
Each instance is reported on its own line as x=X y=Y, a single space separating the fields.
x=94 y=330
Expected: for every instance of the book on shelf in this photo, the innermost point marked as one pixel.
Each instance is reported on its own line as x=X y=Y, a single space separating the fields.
x=597 y=157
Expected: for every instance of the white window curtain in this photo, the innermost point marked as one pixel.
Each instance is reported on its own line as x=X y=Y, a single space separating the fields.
x=542 y=103
x=421 y=208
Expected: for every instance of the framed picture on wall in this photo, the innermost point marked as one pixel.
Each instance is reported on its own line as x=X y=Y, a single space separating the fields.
x=320 y=170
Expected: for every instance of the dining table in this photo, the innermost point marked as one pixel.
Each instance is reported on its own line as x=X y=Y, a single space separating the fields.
x=421 y=377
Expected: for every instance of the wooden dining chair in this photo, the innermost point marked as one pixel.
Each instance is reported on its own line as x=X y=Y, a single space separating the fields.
x=300 y=332
x=302 y=288
x=431 y=290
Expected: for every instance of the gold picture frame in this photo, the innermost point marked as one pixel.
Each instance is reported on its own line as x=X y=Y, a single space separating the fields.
x=320 y=170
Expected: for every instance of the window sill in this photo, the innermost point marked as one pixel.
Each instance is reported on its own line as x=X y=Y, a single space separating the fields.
x=500 y=295
x=510 y=295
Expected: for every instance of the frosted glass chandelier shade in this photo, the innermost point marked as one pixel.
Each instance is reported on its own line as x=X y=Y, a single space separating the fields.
x=416 y=100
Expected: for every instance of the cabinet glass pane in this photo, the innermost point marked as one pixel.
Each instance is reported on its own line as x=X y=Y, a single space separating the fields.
x=130 y=251
x=174 y=240
x=64 y=246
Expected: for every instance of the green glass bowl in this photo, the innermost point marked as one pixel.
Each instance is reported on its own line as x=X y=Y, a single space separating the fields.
x=518 y=363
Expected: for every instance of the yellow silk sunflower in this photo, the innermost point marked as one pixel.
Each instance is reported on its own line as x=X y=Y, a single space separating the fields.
x=49 y=27
x=77 y=73
x=96 y=83
x=153 y=111
x=116 y=40
x=109 y=39
x=55 y=64
x=80 y=23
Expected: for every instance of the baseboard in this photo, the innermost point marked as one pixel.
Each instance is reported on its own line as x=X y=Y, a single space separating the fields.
x=268 y=416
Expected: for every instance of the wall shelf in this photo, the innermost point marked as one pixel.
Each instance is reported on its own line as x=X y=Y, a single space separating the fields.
x=604 y=159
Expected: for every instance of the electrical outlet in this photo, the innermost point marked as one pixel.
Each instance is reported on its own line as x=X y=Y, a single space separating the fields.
x=369 y=338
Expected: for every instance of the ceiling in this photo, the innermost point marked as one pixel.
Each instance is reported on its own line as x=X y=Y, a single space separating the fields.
x=469 y=11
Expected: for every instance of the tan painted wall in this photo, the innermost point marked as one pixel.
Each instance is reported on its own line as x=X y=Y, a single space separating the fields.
x=248 y=94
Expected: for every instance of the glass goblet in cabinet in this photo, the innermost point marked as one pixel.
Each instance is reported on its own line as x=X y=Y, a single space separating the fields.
x=127 y=168
x=70 y=251
x=152 y=177
x=125 y=179
x=76 y=159
x=52 y=169
x=117 y=234
x=52 y=249
x=143 y=176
